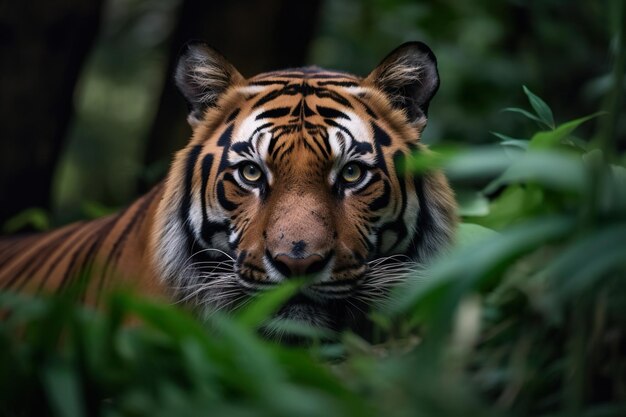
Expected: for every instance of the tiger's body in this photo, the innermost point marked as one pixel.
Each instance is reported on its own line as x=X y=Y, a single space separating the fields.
x=108 y=251
x=290 y=173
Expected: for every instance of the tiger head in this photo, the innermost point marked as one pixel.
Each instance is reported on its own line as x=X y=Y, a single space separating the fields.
x=297 y=174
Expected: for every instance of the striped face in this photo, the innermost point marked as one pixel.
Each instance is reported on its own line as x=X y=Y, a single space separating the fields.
x=294 y=174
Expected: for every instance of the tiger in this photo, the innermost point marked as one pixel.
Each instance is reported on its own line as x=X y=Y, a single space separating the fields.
x=289 y=174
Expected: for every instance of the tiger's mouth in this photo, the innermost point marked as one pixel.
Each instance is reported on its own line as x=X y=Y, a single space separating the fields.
x=333 y=304
x=338 y=304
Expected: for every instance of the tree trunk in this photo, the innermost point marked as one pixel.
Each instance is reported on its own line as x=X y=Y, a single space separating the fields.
x=254 y=36
x=43 y=48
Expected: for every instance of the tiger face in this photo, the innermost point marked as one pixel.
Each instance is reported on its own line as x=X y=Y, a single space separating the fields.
x=297 y=174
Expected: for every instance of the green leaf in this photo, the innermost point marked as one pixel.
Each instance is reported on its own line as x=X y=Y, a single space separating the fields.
x=472 y=203
x=524 y=113
x=512 y=146
x=587 y=261
x=279 y=326
x=254 y=364
x=94 y=209
x=478 y=163
x=469 y=267
x=514 y=204
x=518 y=143
x=470 y=233
x=266 y=304
x=552 y=138
x=63 y=390
x=35 y=217
x=420 y=162
x=548 y=168
x=540 y=107
x=505 y=138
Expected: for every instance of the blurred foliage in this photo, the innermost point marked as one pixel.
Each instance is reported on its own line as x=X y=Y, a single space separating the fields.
x=117 y=96
x=34 y=218
x=485 y=50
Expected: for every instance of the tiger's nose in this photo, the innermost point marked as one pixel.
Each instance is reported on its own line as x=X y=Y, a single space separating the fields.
x=298 y=267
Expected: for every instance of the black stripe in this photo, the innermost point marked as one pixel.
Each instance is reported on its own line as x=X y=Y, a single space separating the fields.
x=364 y=239
x=368 y=109
x=272 y=95
x=253 y=267
x=136 y=220
x=339 y=126
x=62 y=252
x=274 y=142
x=380 y=136
x=90 y=256
x=383 y=200
x=338 y=83
x=261 y=127
x=361 y=147
x=232 y=116
x=207 y=164
x=14 y=248
x=224 y=141
x=269 y=82
x=297 y=110
x=44 y=257
x=185 y=205
x=425 y=223
x=251 y=280
x=321 y=146
x=328 y=112
x=328 y=75
x=323 y=93
x=208 y=227
x=324 y=135
x=398 y=226
x=114 y=222
x=274 y=113
x=306 y=110
x=221 y=197
x=380 y=158
x=242 y=147
x=70 y=272
x=224 y=137
x=32 y=264
x=118 y=246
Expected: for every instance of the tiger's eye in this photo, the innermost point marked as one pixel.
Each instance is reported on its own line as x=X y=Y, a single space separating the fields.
x=351 y=173
x=251 y=172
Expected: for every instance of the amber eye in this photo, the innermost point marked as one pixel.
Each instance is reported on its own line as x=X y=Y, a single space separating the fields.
x=251 y=172
x=352 y=173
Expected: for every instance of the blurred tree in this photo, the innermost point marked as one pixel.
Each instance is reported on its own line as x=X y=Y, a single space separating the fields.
x=254 y=36
x=43 y=48
x=486 y=49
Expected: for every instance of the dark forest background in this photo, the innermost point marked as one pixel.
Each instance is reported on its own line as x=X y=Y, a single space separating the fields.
x=89 y=116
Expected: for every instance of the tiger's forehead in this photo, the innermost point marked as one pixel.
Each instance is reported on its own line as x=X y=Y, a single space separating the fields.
x=310 y=74
x=322 y=110
x=309 y=82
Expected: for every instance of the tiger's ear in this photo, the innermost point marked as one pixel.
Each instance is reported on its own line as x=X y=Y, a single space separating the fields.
x=408 y=76
x=202 y=76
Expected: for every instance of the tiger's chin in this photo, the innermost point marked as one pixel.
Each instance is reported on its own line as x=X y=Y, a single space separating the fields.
x=302 y=319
